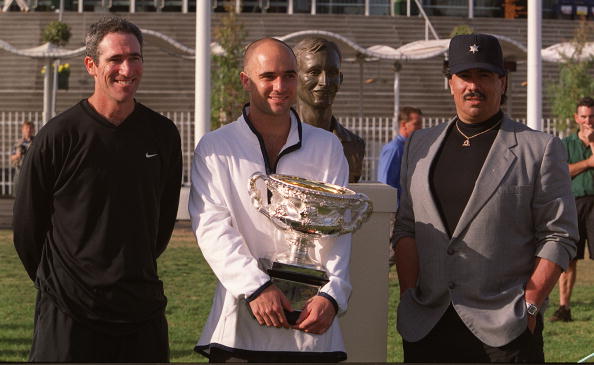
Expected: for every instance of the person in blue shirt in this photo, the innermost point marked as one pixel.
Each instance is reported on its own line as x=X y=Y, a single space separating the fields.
x=388 y=172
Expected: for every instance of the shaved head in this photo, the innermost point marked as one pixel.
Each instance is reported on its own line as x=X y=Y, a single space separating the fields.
x=251 y=49
x=270 y=77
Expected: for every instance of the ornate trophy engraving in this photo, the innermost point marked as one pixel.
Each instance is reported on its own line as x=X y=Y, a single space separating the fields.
x=305 y=210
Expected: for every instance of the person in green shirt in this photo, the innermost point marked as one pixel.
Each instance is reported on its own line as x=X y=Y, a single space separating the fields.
x=581 y=168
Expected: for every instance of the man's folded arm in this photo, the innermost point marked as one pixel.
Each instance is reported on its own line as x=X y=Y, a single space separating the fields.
x=554 y=212
x=404 y=243
x=170 y=196
x=33 y=205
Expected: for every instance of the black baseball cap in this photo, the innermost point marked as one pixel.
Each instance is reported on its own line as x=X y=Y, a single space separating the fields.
x=469 y=51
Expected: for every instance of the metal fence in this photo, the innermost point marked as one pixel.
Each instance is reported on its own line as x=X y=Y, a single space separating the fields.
x=456 y=8
x=376 y=131
x=10 y=132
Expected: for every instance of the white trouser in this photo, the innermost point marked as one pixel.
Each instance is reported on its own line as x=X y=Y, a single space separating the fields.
x=21 y=3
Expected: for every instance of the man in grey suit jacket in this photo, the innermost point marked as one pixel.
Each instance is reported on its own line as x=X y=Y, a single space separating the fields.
x=485 y=226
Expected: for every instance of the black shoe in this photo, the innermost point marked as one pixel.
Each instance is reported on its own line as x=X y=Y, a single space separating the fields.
x=563 y=314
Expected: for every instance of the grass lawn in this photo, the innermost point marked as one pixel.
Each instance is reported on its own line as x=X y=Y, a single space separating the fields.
x=189 y=285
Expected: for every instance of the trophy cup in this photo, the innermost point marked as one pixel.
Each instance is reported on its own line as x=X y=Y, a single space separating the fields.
x=305 y=210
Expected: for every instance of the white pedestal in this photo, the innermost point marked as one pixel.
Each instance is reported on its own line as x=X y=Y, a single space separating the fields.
x=365 y=324
x=182 y=210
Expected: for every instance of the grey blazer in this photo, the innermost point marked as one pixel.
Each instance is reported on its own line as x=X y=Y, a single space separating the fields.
x=521 y=207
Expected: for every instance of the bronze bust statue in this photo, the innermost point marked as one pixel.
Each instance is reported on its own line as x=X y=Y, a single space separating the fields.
x=318 y=69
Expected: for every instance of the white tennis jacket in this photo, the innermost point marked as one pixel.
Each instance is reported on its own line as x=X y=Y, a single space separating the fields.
x=233 y=235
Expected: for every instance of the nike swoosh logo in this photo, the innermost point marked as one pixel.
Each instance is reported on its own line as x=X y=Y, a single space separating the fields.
x=149 y=156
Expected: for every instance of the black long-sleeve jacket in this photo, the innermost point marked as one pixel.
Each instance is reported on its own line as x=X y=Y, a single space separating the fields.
x=96 y=206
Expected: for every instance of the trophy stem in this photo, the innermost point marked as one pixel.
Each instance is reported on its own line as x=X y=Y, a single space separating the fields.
x=298 y=254
x=299 y=248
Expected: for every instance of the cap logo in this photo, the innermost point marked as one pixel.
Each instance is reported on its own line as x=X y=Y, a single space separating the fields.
x=468 y=51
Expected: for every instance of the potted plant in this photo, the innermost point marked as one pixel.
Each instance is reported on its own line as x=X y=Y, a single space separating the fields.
x=57 y=33
x=461 y=29
x=63 y=75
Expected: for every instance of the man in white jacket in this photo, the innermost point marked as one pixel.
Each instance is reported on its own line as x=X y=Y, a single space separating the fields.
x=233 y=235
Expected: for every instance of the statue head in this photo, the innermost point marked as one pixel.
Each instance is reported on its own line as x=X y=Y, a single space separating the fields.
x=318 y=69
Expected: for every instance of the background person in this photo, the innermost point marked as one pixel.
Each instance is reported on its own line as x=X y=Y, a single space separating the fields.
x=233 y=235
x=579 y=148
x=485 y=226
x=95 y=208
x=21 y=3
x=318 y=68
x=20 y=150
x=388 y=171
x=410 y=119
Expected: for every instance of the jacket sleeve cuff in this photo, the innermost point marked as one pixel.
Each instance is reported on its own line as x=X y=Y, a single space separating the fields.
x=561 y=253
x=258 y=291
x=397 y=236
x=331 y=299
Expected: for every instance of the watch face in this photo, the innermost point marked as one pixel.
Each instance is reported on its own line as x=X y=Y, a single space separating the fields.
x=531 y=309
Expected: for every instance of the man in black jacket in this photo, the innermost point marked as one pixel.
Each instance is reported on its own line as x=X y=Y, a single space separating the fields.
x=95 y=208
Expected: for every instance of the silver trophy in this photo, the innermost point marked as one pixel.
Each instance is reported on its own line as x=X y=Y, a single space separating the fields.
x=305 y=210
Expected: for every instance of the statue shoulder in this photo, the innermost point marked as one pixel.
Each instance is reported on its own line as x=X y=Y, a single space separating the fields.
x=347 y=136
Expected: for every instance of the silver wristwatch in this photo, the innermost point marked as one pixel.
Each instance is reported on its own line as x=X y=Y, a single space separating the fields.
x=531 y=309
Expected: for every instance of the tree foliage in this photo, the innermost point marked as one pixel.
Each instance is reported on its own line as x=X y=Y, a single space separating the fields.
x=228 y=95
x=461 y=29
x=57 y=33
x=575 y=81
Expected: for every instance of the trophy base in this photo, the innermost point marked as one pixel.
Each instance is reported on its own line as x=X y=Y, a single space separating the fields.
x=292 y=317
x=298 y=284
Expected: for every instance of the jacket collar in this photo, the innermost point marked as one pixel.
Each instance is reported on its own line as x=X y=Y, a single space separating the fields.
x=293 y=143
x=499 y=160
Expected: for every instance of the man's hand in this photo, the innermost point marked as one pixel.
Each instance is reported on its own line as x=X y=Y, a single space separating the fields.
x=587 y=133
x=590 y=159
x=268 y=308
x=317 y=315
x=17 y=155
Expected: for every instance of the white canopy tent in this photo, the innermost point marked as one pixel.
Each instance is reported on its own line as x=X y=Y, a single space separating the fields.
x=418 y=50
x=50 y=53
x=559 y=52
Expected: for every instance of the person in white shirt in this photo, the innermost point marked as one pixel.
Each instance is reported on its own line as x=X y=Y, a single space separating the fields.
x=21 y=3
x=268 y=137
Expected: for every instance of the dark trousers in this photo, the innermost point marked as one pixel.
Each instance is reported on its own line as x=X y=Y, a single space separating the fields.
x=585 y=210
x=450 y=341
x=58 y=338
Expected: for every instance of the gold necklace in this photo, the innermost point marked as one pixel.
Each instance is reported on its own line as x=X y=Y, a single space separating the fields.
x=467 y=141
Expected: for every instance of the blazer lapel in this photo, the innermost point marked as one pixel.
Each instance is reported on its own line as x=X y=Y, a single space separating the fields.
x=498 y=162
x=424 y=170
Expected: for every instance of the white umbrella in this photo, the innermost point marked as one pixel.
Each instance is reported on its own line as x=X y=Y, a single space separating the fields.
x=561 y=51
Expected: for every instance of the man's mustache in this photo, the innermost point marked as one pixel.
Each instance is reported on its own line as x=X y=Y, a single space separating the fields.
x=474 y=94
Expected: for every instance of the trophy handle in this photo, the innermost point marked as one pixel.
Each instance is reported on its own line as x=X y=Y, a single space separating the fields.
x=255 y=193
x=359 y=214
